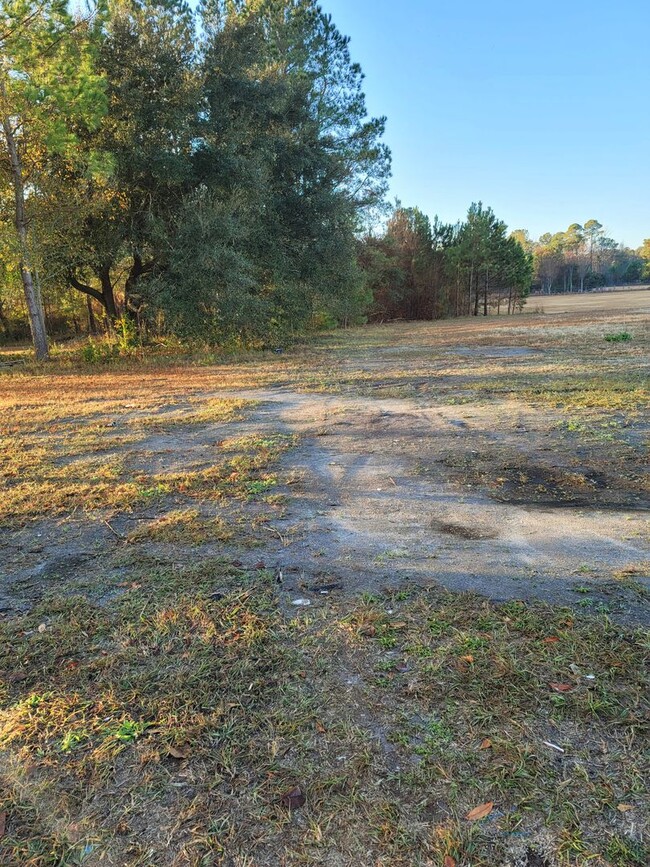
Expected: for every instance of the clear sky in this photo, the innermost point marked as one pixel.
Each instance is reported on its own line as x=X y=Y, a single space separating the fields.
x=541 y=110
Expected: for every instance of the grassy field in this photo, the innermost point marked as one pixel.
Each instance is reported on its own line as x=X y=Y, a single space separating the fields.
x=376 y=601
x=625 y=298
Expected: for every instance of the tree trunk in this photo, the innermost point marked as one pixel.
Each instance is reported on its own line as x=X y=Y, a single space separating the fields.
x=108 y=292
x=34 y=306
x=485 y=293
x=106 y=296
x=92 y=322
x=477 y=295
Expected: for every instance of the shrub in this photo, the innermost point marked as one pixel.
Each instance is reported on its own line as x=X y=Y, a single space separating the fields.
x=619 y=337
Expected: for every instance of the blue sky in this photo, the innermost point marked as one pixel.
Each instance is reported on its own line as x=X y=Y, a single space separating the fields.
x=541 y=110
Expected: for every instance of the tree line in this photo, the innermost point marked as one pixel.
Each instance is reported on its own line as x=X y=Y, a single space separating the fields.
x=583 y=258
x=425 y=269
x=201 y=172
x=213 y=174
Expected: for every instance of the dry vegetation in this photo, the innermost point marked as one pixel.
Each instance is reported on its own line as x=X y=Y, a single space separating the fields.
x=163 y=704
x=632 y=298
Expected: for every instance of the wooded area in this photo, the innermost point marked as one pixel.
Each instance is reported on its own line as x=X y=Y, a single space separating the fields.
x=214 y=175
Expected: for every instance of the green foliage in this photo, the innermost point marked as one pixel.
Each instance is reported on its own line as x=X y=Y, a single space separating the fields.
x=98 y=351
x=124 y=341
x=235 y=173
x=582 y=258
x=127 y=338
x=422 y=269
x=618 y=337
x=50 y=95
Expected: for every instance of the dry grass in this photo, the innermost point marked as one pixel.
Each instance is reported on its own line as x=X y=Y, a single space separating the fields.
x=637 y=298
x=168 y=728
x=161 y=717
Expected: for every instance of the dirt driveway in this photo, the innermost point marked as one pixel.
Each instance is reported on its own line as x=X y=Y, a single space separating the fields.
x=225 y=633
x=507 y=458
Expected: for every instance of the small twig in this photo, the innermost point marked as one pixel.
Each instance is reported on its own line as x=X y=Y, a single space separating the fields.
x=278 y=533
x=114 y=531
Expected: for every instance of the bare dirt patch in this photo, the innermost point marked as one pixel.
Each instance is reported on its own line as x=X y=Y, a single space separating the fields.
x=318 y=609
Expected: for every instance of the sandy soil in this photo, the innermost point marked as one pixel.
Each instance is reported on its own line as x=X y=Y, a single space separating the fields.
x=422 y=456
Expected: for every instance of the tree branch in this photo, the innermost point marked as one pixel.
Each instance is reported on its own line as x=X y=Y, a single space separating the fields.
x=87 y=290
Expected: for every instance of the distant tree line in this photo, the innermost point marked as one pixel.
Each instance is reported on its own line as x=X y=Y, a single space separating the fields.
x=583 y=258
x=423 y=269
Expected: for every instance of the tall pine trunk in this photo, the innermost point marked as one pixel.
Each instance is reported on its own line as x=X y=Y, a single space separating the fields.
x=32 y=297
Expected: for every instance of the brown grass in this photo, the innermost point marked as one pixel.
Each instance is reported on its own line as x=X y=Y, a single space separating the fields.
x=162 y=717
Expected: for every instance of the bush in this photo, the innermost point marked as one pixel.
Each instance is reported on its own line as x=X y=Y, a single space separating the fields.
x=619 y=337
x=98 y=351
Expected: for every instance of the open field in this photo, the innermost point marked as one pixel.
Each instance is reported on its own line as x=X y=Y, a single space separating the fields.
x=637 y=298
x=461 y=510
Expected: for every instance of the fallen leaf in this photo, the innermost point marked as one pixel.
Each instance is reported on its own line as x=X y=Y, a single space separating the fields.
x=449 y=861
x=561 y=687
x=468 y=658
x=624 y=808
x=42 y=628
x=294 y=798
x=486 y=744
x=178 y=754
x=552 y=639
x=3 y=822
x=480 y=812
x=320 y=728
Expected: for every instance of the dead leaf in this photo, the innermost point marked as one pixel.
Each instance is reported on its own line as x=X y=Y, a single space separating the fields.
x=552 y=639
x=449 y=861
x=42 y=628
x=486 y=744
x=3 y=822
x=293 y=798
x=624 y=808
x=469 y=658
x=178 y=754
x=480 y=812
x=320 y=728
x=561 y=687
